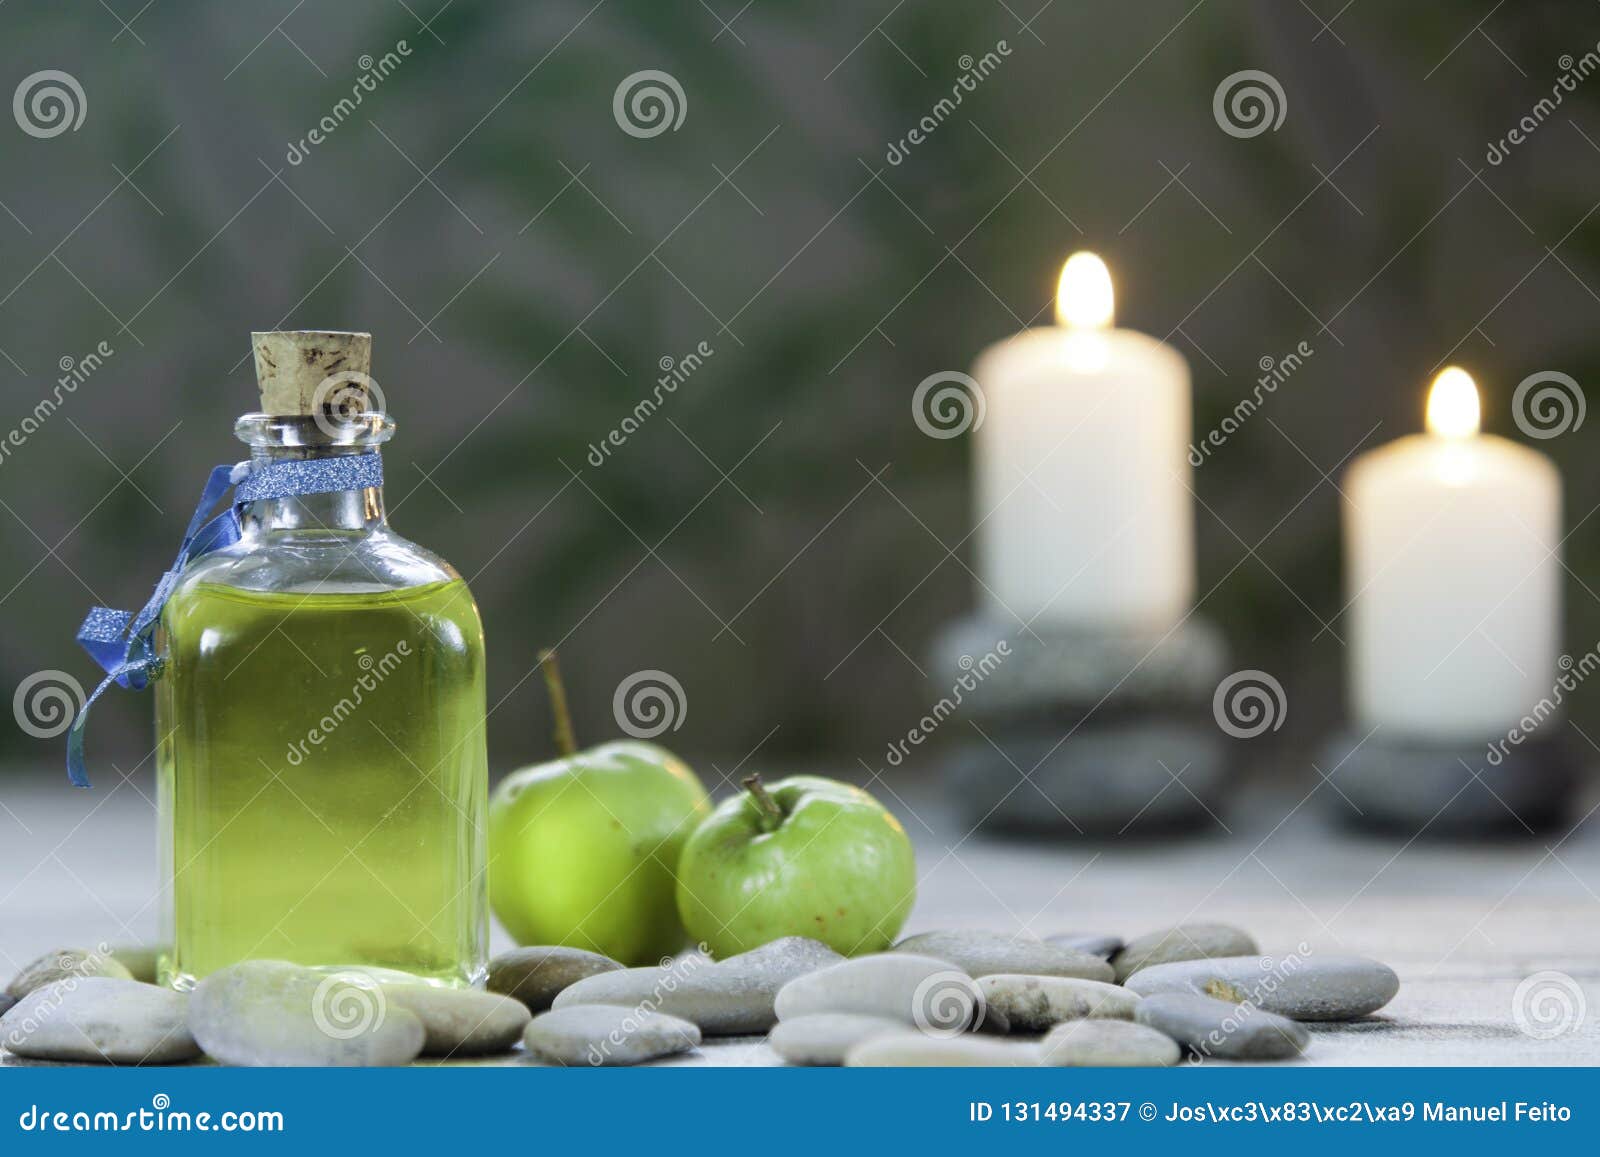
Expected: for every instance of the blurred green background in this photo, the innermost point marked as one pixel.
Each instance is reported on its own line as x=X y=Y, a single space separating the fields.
x=524 y=265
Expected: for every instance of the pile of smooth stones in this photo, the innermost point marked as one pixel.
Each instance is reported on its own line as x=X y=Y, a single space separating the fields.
x=953 y=998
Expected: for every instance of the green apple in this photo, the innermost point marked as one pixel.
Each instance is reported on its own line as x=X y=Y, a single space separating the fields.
x=806 y=857
x=583 y=850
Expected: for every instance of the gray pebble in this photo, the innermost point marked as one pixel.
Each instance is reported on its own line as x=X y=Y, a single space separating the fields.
x=63 y=964
x=604 y=1034
x=1099 y=944
x=727 y=998
x=1107 y=1044
x=992 y=1021
x=912 y=989
x=535 y=975
x=908 y=1049
x=6 y=1001
x=984 y=953
x=269 y=1012
x=459 y=1022
x=100 y=1019
x=824 y=1038
x=1308 y=987
x=1038 y=1003
x=1185 y=942
x=1219 y=1029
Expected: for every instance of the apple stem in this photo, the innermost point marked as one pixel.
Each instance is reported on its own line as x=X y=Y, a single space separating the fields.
x=771 y=813
x=560 y=715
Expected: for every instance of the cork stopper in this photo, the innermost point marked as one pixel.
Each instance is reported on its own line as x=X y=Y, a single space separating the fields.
x=293 y=365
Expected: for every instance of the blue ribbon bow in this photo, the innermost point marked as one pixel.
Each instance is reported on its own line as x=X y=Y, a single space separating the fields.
x=123 y=643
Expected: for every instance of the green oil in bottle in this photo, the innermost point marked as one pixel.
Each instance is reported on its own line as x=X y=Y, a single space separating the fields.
x=322 y=764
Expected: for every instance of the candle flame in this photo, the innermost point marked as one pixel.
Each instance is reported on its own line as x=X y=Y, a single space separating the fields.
x=1453 y=404
x=1084 y=298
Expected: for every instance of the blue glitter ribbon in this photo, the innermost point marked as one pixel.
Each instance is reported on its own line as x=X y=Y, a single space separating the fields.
x=123 y=642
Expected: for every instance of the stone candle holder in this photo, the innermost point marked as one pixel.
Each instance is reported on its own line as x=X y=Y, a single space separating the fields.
x=1440 y=788
x=1074 y=731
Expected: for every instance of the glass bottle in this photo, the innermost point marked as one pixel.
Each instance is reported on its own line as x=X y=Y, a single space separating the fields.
x=322 y=772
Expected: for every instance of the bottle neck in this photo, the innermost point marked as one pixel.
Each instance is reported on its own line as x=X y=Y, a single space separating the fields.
x=338 y=512
x=274 y=438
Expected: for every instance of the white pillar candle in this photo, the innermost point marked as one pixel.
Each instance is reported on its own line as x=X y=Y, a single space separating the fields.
x=1082 y=470
x=1453 y=573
